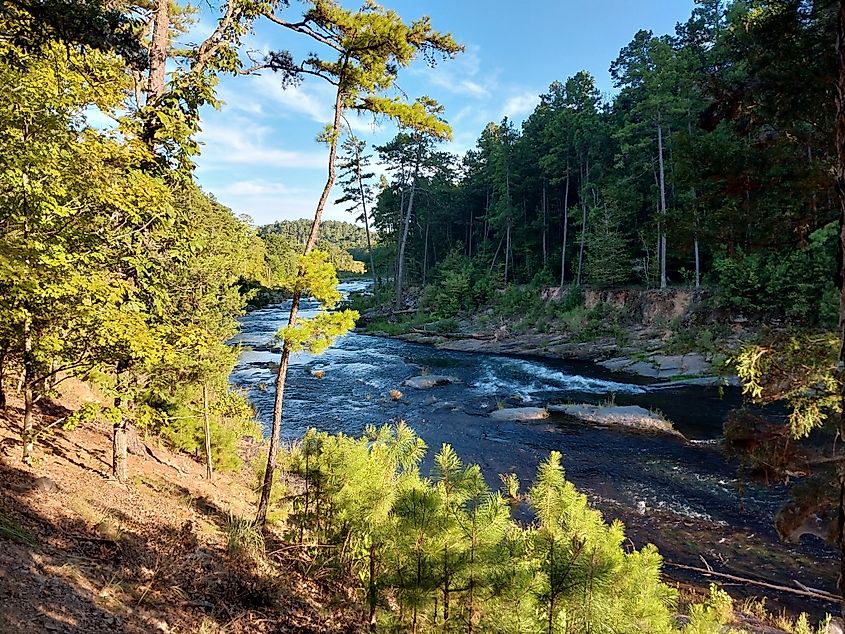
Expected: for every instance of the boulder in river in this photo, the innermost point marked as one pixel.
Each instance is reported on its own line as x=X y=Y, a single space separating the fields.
x=520 y=413
x=429 y=381
x=630 y=417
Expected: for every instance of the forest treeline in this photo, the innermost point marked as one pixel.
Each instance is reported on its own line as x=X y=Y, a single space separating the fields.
x=711 y=162
x=284 y=240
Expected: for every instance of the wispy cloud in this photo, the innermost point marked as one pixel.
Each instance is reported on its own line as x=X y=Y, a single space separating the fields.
x=246 y=143
x=461 y=75
x=518 y=105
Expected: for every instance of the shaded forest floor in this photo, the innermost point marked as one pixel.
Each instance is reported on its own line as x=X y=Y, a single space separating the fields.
x=79 y=552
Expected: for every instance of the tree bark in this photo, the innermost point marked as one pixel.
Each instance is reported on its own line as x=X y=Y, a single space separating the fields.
x=207 y=428
x=281 y=375
x=159 y=51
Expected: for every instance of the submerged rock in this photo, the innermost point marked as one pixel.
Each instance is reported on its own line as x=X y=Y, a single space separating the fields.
x=430 y=381
x=628 y=416
x=661 y=366
x=520 y=413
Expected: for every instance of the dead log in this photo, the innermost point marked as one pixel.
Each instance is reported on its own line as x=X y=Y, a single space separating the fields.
x=803 y=591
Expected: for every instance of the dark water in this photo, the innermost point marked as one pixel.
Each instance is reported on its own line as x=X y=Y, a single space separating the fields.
x=685 y=497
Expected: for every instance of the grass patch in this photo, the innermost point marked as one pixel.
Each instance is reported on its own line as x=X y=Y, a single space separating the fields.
x=9 y=529
x=243 y=538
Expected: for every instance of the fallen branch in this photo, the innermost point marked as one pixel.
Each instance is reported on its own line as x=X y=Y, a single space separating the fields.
x=804 y=591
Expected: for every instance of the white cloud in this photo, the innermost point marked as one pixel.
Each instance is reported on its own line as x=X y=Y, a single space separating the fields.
x=459 y=76
x=265 y=205
x=255 y=188
x=245 y=142
x=520 y=104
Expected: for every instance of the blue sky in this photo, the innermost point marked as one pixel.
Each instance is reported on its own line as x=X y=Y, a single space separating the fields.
x=260 y=156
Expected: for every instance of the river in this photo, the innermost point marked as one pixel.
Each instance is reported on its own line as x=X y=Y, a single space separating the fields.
x=684 y=497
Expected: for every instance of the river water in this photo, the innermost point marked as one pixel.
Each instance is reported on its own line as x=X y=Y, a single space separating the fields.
x=683 y=496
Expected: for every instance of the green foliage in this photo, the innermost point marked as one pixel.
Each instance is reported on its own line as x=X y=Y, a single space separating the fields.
x=797 y=368
x=713 y=615
x=798 y=285
x=243 y=539
x=446 y=549
x=459 y=285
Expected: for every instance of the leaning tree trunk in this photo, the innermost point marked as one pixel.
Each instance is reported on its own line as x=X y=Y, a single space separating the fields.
x=284 y=362
x=840 y=191
x=585 y=178
x=545 y=248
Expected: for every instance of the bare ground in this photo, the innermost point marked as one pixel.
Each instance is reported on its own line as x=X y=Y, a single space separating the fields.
x=79 y=552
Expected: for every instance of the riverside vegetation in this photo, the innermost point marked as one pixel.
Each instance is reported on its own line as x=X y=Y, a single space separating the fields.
x=116 y=269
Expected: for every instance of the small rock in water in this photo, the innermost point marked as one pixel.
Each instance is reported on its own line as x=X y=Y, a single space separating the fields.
x=429 y=381
x=318 y=374
x=520 y=413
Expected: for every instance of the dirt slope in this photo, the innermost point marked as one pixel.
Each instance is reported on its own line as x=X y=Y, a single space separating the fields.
x=80 y=552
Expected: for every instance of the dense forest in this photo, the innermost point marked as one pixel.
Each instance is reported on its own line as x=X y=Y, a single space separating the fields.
x=711 y=165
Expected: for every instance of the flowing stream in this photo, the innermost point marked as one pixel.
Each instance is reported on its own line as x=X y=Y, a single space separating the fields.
x=683 y=496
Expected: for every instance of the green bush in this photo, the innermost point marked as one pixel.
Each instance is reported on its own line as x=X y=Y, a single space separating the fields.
x=798 y=285
x=442 y=553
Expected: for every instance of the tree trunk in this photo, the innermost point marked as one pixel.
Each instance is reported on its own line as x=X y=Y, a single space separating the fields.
x=2 y=380
x=662 y=203
x=840 y=191
x=371 y=592
x=545 y=254
x=120 y=468
x=366 y=223
x=406 y=225
x=425 y=255
x=207 y=427
x=584 y=180
x=565 y=228
x=281 y=375
x=507 y=250
x=697 y=263
x=28 y=386
x=159 y=51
